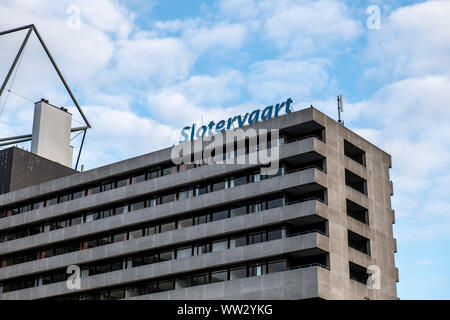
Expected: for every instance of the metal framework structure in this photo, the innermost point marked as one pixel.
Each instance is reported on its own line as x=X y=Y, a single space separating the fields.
x=28 y=137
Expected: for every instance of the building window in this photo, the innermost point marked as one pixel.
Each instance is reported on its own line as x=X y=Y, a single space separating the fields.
x=184 y=223
x=277 y=266
x=238 y=241
x=358 y=242
x=355 y=153
x=258 y=269
x=357 y=212
x=184 y=282
x=355 y=181
x=184 y=252
x=219 y=245
x=358 y=273
x=220 y=215
x=239 y=211
x=238 y=273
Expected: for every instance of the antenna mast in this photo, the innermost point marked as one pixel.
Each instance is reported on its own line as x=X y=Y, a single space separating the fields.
x=340 y=103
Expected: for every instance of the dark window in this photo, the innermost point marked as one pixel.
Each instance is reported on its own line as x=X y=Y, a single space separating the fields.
x=239 y=211
x=166 y=285
x=275 y=203
x=120 y=237
x=219 y=215
x=168 y=197
x=201 y=189
x=198 y=280
x=257 y=237
x=155 y=173
x=274 y=234
x=76 y=220
x=184 y=282
x=358 y=273
x=117 y=294
x=355 y=153
x=108 y=186
x=183 y=223
x=358 y=242
x=166 y=255
x=238 y=241
x=357 y=212
x=104 y=241
x=257 y=269
x=168 y=226
x=200 y=249
x=116 y=265
x=137 y=205
x=239 y=180
x=219 y=276
x=78 y=194
x=93 y=190
x=122 y=182
x=140 y=177
x=277 y=266
x=121 y=209
x=238 y=273
x=218 y=185
x=202 y=219
x=149 y=258
x=355 y=181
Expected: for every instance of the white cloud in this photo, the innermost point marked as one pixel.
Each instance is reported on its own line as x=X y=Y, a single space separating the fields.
x=277 y=79
x=83 y=52
x=310 y=25
x=413 y=41
x=298 y=28
x=115 y=136
x=154 y=59
x=219 y=37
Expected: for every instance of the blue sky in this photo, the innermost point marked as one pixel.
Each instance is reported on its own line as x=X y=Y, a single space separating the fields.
x=143 y=70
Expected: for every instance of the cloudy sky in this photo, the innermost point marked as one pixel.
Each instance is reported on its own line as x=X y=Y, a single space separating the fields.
x=143 y=71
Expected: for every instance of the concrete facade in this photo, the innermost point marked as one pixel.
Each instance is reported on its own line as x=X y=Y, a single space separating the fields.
x=308 y=274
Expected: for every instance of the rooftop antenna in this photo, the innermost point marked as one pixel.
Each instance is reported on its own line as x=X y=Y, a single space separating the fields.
x=340 y=102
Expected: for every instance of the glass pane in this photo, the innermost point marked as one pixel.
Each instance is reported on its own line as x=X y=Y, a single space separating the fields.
x=121 y=209
x=238 y=273
x=219 y=215
x=135 y=234
x=183 y=283
x=202 y=219
x=168 y=226
x=183 y=223
x=117 y=294
x=166 y=285
x=238 y=211
x=219 y=185
x=122 y=182
x=240 y=180
x=137 y=205
x=166 y=255
x=184 y=252
x=277 y=266
x=198 y=280
x=274 y=234
x=201 y=249
x=275 y=203
x=257 y=270
x=168 y=198
x=219 y=245
x=238 y=242
x=219 y=276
